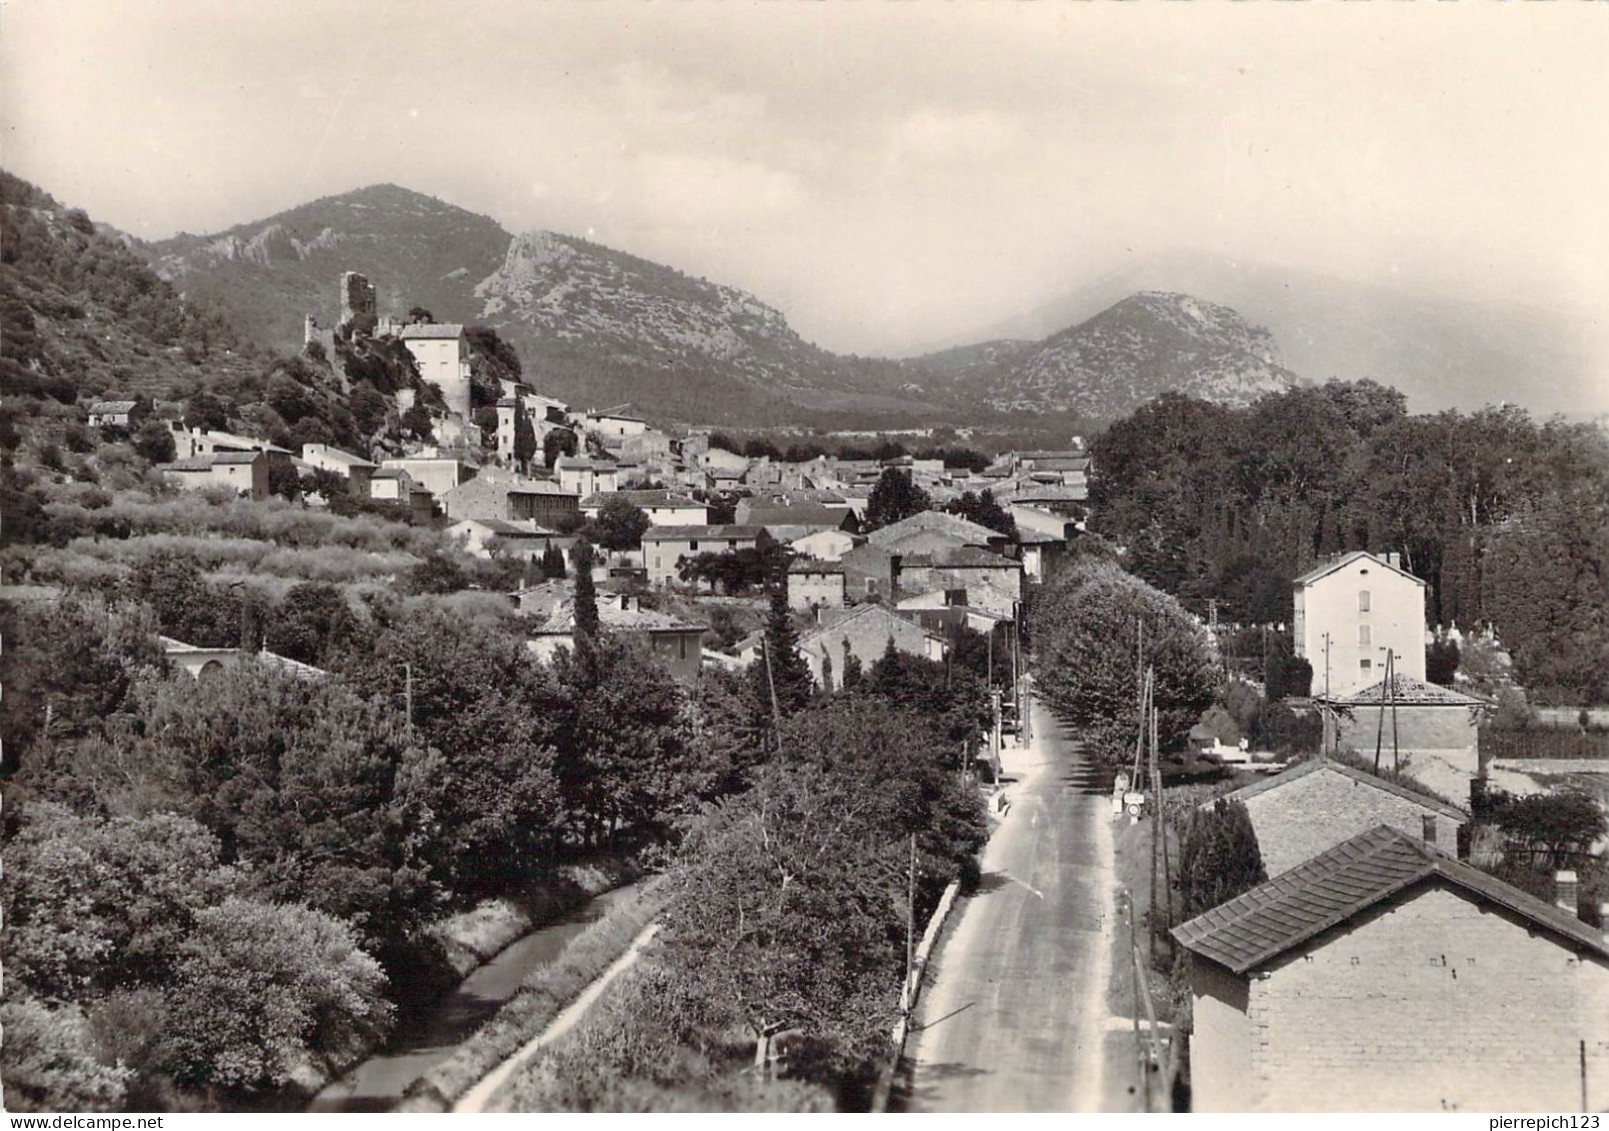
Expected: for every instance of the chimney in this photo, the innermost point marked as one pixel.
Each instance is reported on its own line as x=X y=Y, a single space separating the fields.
x=1566 y=892
x=1392 y=559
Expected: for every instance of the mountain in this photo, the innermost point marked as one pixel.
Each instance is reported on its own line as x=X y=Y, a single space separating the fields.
x=1442 y=352
x=82 y=314
x=1111 y=363
x=592 y=325
x=416 y=250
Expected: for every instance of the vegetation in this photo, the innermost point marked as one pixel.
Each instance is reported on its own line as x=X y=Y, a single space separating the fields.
x=1220 y=858
x=894 y=498
x=1088 y=625
x=1505 y=519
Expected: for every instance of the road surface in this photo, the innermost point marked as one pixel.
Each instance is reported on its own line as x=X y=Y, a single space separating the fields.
x=1015 y=1015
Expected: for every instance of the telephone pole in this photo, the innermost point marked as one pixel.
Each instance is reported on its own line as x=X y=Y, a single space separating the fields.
x=407 y=694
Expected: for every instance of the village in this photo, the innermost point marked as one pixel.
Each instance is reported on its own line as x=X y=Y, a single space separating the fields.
x=1379 y=946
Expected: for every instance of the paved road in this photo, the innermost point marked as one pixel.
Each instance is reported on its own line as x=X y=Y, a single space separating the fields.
x=1014 y=1018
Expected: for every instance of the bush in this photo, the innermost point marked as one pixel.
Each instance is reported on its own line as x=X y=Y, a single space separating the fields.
x=1220 y=858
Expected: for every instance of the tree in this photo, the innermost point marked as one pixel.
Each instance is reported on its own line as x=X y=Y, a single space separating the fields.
x=895 y=497
x=52 y=1062
x=1556 y=829
x=259 y=987
x=418 y=314
x=983 y=510
x=370 y=408
x=154 y=441
x=619 y=526
x=1087 y=625
x=1285 y=674
x=439 y=572
x=558 y=442
x=780 y=675
x=1441 y=661
x=418 y=422
x=313 y=619
x=524 y=438
x=586 y=594
x=1220 y=858
x=552 y=563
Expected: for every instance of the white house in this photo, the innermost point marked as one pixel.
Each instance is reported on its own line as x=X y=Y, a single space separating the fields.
x=442 y=354
x=1349 y=611
x=582 y=476
x=824 y=545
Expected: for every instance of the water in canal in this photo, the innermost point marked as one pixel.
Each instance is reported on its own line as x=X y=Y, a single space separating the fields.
x=378 y=1083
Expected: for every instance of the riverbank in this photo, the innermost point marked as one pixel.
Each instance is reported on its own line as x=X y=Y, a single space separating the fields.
x=491 y=948
x=537 y=1002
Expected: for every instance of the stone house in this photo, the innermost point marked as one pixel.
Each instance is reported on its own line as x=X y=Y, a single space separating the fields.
x=675 y=643
x=245 y=473
x=932 y=531
x=1349 y=611
x=484 y=536
x=356 y=469
x=500 y=494
x=1312 y=807
x=116 y=413
x=436 y=474
x=663 y=547
x=1384 y=975
x=865 y=632
x=824 y=545
x=582 y=476
x=442 y=353
x=663 y=508
x=1434 y=728
x=815 y=585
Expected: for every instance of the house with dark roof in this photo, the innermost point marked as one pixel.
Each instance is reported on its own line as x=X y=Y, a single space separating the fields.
x=245 y=473
x=1314 y=806
x=673 y=642
x=117 y=413
x=1385 y=975
x=497 y=493
x=1350 y=610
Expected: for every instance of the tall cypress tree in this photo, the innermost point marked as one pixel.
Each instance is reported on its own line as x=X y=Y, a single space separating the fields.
x=780 y=665
x=586 y=595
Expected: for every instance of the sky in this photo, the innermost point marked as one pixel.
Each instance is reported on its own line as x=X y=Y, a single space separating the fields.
x=890 y=173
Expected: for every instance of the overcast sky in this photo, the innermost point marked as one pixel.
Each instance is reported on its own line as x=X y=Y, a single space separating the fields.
x=889 y=174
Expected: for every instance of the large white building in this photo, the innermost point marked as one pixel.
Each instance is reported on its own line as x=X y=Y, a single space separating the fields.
x=442 y=354
x=1350 y=610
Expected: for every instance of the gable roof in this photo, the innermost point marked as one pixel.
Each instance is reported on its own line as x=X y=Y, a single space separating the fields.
x=964 y=530
x=865 y=619
x=1323 y=569
x=1406 y=691
x=688 y=533
x=102 y=408
x=1313 y=765
x=432 y=330
x=1335 y=886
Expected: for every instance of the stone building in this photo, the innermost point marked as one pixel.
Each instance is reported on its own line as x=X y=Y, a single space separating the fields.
x=1384 y=975
x=1352 y=609
x=1312 y=807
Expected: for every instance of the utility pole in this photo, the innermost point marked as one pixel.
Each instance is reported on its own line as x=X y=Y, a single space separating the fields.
x=910 y=928
x=407 y=694
x=1143 y=1078
x=1326 y=665
x=771 y=683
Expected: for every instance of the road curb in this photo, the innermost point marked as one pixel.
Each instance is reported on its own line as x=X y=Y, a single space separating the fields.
x=912 y=992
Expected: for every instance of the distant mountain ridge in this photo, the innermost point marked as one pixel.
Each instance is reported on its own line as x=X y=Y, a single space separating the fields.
x=596 y=325
x=1115 y=361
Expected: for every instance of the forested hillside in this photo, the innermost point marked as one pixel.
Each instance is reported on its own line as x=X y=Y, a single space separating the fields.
x=1507 y=520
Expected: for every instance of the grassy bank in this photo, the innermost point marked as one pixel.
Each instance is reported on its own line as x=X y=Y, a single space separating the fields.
x=544 y=994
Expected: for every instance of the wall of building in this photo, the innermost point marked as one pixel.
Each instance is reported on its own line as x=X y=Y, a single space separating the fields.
x=1220 y=1041
x=1395 y=619
x=444 y=363
x=1452 y=728
x=816 y=590
x=1428 y=1004
x=1312 y=814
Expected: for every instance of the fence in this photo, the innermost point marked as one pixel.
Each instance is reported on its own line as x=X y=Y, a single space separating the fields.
x=1542 y=742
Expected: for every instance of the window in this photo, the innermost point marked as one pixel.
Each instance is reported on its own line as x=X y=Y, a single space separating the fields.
x=1365 y=665
x=683 y=642
x=1363 y=635
x=1363 y=600
x=691 y=546
x=656 y=561
x=1427 y=828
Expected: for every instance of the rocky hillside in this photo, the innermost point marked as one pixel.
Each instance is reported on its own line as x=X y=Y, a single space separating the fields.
x=1148 y=343
x=593 y=325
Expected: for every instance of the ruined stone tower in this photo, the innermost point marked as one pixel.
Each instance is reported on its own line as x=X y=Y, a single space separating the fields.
x=360 y=309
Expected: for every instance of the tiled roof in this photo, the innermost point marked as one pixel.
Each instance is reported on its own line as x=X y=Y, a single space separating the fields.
x=810 y=565
x=644 y=498
x=1406 y=691
x=194 y=463
x=1315 y=764
x=797 y=514
x=432 y=330
x=235 y=457
x=963 y=529
x=685 y=533
x=334 y=455
x=103 y=408
x=1335 y=886
x=1339 y=561
x=388 y=473
x=864 y=619
x=581 y=463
